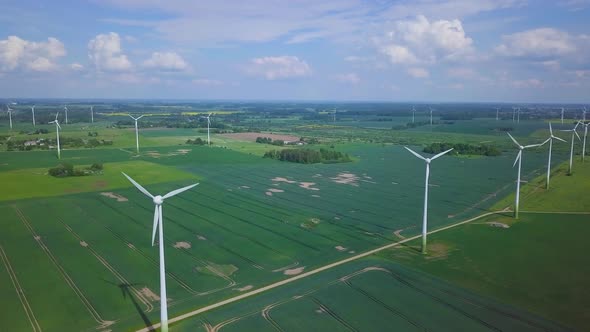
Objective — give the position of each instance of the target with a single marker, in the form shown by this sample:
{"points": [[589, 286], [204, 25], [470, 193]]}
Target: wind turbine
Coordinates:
{"points": [[513, 113], [551, 138], [334, 116], [519, 160], [497, 113], [57, 128], [33, 111], [518, 115], [136, 132], [584, 141], [66, 110], [584, 114], [425, 218], [92, 114], [574, 135], [430, 116], [562, 111], [9, 110], [413, 114], [158, 225], [208, 125]]}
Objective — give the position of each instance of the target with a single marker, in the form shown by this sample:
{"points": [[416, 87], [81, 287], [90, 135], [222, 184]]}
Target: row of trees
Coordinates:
{"points": [[196, 141], [463, 149], [67, 169], [268, 140], [308, 156]]}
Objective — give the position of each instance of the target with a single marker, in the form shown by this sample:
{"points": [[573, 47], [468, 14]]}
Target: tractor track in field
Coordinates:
{"points": [[312, 272], [87, 304], [19, 291], [116, 274], [332, 314]]}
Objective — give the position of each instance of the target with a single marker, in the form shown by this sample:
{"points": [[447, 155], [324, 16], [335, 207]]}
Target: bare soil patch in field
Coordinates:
{"points": [[182, 245], [118, 197], [295, 271], [308, 185], [83, 244], [346, 178], [149, 294], [245, 288], [275, 190], [280, 179], [268, 193], [251, 137], [340, 248]]}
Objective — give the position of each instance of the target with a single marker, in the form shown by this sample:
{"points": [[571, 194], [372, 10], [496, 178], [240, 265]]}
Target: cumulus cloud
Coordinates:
{"points": [[537, 43], [166, 61], [106, 54], [351, 78], [76, 66], [18, 53], [278, 67], [417, 72], [419, 40]]}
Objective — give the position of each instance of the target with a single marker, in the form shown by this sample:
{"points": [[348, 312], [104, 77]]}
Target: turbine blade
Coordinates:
{"points": [[550, 129], [414, 153], [57, 123], [578, 136], [130, 116], [141, 116], [156, 219], [517, 157], [178, 191], [441, 154], [513, 140], [559, 139], [138, 186]]}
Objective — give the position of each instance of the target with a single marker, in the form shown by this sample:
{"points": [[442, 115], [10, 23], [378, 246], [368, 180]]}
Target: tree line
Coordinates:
{"points": [[463, 149], [308, 156]]}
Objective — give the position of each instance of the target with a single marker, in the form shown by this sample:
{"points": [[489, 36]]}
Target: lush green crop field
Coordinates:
{"points": [[251, 222]]}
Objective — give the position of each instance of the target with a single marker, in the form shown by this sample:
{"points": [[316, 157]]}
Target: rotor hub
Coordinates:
{"points": [[158, 200], [428, 160]]}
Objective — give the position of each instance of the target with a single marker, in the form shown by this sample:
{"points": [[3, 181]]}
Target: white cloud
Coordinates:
{"points": [[351, 78], [207, 82], [105, 53], [537, 43], [419, 40], [76, 66], [528, 83], [278, 67], [167, 61], [418, 72], [37, 56], [462, 72]]}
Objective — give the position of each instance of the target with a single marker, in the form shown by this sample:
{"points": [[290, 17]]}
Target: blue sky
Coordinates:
{"points": [[419, 50]]}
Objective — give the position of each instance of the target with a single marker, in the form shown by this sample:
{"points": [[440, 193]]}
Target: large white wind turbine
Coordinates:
{"points": [[584, 141], [136, 132], [57, 128], [550, 139], [425, 218], [158, 225], [519, 160], [9, 110], [33, 111], [584, 114], [574, 135], [66, 111], [208, 125]]}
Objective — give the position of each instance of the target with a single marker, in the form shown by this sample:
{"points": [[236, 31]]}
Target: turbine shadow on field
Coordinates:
{"points": [[124, 287]]}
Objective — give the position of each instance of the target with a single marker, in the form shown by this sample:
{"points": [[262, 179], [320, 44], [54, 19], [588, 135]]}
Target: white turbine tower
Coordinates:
{"points": [[518, 115], [513, 113], [9, 110], [551, 138], [208, 125], [584, 114], [33, 111], [66, 110], [136, 132], [430, 116], [425, 217], [584, 141], [57, 128], [562, 111], [158, 225], [413, 114], [519, 160], [497, 113], [574, 135], [92, 114], [334, 116]]}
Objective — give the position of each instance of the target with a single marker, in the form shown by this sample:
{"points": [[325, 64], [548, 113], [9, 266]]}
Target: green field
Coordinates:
{"points": [[251, 222]]}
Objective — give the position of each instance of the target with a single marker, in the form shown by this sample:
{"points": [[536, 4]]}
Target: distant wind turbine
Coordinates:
{"points": [[425, 218], [413, 114], [430, 116], [497, 113], [334, 116], [136, 132], [33, 111], [92, 114], [518, 115], [584, 114], [550, 139], [57, 128], [66, 110], [574, 135], [584, 141], [513, 113], [519, 160], [9, 110], [208, 125], [562, 111], [159, 227]]}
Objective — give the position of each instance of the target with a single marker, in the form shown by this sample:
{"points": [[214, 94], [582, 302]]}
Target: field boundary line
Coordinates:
{"points": [[20, 292], [557, 212], [312, 272]]}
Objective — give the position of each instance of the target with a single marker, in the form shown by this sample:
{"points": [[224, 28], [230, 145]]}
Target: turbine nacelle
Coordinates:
{"points": [[158, 200]]}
